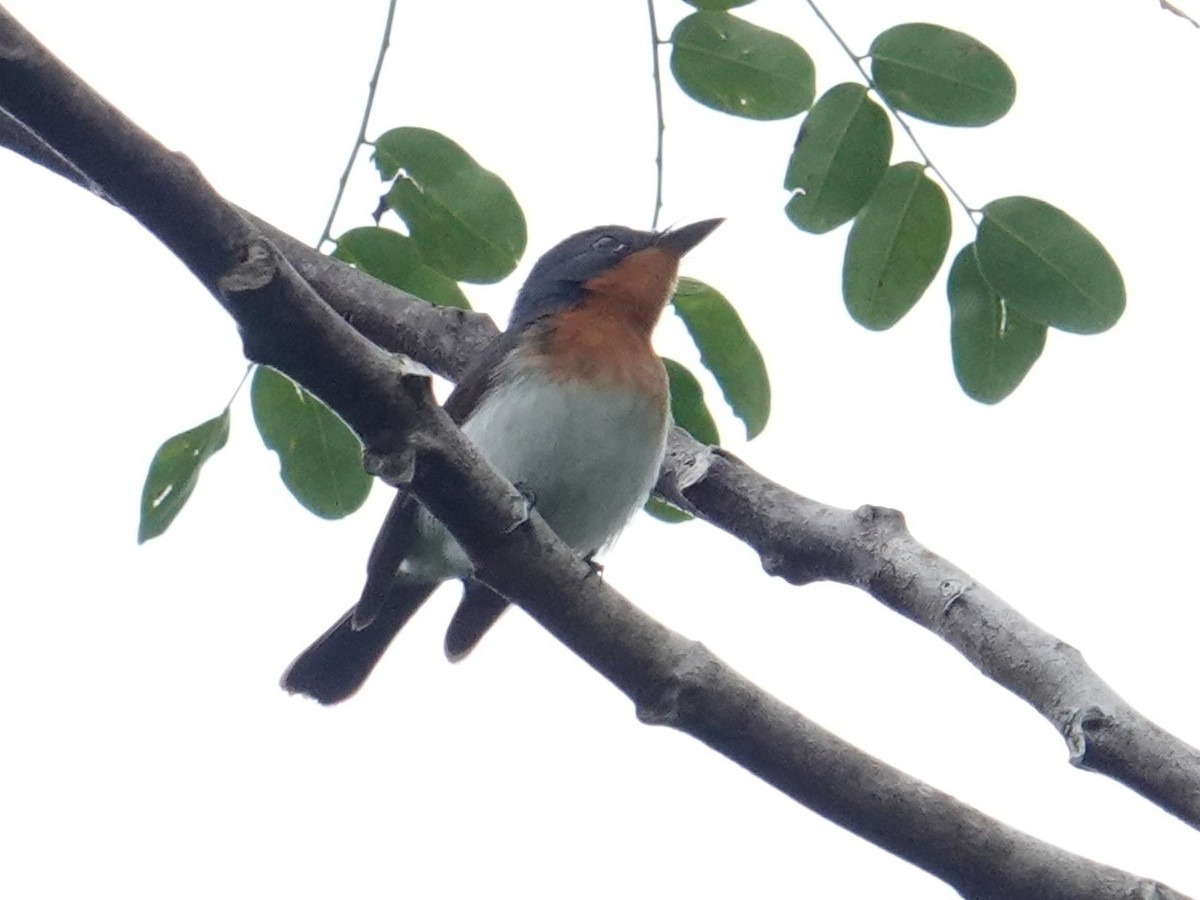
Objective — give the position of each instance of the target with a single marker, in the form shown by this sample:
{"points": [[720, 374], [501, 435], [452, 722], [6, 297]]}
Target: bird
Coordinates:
{"points": [[570, 403]]}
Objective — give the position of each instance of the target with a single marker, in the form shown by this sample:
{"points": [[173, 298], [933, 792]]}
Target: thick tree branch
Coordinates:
{"points": [[18, 138], [445, 339], [802, 541], [798, 539], [672, 681]]}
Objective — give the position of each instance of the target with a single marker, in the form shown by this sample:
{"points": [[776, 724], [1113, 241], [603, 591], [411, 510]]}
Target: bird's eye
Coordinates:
{"points": [[608, 244]]}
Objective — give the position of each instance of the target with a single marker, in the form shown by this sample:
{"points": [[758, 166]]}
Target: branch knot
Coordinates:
{"points": [[253, 272]]}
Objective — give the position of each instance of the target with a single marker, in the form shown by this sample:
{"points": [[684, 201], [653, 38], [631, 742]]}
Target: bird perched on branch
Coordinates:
{"points": [[570, 403]]}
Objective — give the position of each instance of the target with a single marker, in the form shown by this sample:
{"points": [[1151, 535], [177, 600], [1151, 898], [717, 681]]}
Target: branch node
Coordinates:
{"points": [[776, 564], [253, 272], [882, 518], [415, 381], [1086, 725], [394, 467], [663, 702], [693, 469], [953, 591], [773, 563], [520, 503]]}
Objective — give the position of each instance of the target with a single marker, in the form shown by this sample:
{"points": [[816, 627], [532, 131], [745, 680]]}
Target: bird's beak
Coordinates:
{"points": [[680, 240]]}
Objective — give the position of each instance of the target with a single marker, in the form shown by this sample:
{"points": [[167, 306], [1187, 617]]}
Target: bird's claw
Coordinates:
{"points": [[596, 567], [527, 492]]}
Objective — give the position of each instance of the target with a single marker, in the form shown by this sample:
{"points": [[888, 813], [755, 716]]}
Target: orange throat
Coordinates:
{"points": [[637, 288], [606, 338]]}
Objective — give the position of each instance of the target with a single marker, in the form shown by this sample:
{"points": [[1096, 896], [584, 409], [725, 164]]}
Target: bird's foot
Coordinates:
{"points": [[527, 492]]}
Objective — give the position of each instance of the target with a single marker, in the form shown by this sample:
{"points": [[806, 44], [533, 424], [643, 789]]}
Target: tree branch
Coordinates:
{"points": [[802, 540], [797, 539], [1172, 8], [870, 548], [672, 681]]}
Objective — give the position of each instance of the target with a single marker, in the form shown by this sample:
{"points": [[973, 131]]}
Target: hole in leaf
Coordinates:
{"points": [[162, 495]]}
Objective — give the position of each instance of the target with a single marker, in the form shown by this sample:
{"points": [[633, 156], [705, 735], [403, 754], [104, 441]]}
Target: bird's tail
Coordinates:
{"points": [[337, 663], [477, 612]]}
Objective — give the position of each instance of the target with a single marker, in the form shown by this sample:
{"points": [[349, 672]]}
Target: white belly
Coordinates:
{"points": [[588, 455]]}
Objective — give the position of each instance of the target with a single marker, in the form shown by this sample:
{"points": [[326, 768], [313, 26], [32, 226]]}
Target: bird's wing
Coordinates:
{"points": [[395, 539], [481, 376], [480, 606], [391, 548]]}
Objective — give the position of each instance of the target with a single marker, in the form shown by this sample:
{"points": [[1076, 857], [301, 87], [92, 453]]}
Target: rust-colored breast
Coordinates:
{"points": [[606, 338]]}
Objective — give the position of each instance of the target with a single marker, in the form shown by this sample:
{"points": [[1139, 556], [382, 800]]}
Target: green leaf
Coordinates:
{"points": [[841, 154], [687, 404], [465, 221], [394, 259], [320, 459], [1048, 266], [726, 350], [174, 471], [992, 344], [730, 65], [896, 246], [717, 4], [666, 512], [691, 414], [941, 76]]}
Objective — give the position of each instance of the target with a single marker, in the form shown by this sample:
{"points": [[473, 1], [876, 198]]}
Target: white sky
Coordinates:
{"points": [[147, 749]]}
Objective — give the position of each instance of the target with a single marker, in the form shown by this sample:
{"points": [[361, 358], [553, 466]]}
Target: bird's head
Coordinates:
{"points": [[608, 258]]}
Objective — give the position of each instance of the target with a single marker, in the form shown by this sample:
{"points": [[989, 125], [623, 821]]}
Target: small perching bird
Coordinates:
{"points": [[570, 403]]}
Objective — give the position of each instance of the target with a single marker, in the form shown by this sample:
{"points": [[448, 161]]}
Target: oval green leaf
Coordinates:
{"points": [[840, 157], [941, 75], [717, 4], [174, 471], [394, 259], [688, 408], [993, 345], [730, 65], [320, 459], [896, 246], [1048, 266], [726, 350], [465, 221], [666, 512]]}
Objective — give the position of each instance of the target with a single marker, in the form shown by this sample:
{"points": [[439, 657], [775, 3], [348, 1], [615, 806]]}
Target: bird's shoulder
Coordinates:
{"points": [[482, 374]]}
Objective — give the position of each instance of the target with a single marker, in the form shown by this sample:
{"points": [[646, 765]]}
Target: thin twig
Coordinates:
{"points": [[237, 390], [857, 60], [655, 43], [361, 138], [1172, 8]]}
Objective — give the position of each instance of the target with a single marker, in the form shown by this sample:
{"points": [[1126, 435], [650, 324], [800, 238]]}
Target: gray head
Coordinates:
{"points": [[557, 281]]}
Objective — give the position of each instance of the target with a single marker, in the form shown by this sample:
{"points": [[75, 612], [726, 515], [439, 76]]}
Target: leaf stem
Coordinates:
{"points": [[361, 137], [857, 60], [655, 43], [237, 390]]}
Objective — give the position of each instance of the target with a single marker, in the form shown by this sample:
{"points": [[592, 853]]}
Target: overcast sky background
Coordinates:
{"points": [[147, 749]]}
